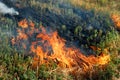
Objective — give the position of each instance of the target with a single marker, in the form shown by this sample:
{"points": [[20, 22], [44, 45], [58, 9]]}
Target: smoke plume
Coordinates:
{"points": [[6, 10]]}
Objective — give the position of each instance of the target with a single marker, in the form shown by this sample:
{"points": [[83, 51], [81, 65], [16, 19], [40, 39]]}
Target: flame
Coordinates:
{"points": [[21, 35], [95, 48], [31, 24], [116, 20], [65, 56], [49, 46], [23, 23]]}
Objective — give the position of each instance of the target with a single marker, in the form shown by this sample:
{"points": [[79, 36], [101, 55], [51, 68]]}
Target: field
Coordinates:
{"points": [[60, 40]]}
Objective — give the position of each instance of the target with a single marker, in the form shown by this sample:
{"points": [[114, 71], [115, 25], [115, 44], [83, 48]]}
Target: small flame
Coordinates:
{"points": [[66, 57], [31, 24], [95, 48], [23, 23], [21, 35], [116, 20], [50, 46], [13, 41]]}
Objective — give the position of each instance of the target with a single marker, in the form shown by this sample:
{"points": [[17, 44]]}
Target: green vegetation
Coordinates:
{"points": [[85, 23]]}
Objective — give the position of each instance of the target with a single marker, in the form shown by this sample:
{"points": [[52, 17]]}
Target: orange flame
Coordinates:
{"points": [[66, 57], [23, 23], [21, 35], [95, 48], [116, 20], [52, 47]]}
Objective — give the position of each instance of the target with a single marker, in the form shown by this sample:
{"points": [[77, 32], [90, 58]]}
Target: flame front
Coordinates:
{"points": [[66, 56], [49, 46]]}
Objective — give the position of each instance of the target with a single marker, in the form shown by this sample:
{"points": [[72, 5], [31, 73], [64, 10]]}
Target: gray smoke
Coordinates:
{"points": [[6, 10]]}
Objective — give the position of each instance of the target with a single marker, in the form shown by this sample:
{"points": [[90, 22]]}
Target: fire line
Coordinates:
{"points": [[50, 46]]}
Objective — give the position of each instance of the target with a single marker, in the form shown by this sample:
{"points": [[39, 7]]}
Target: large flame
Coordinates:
{"points": [[49, 46]]}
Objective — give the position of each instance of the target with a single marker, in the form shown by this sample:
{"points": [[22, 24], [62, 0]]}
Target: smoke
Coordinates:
{"points": [[6, 10]]}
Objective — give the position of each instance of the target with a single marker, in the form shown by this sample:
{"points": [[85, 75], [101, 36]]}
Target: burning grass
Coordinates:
{"points": [[48, 46]]}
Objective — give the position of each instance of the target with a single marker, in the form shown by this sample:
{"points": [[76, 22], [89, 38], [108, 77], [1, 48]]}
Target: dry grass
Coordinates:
{"points": [[111, 6]]}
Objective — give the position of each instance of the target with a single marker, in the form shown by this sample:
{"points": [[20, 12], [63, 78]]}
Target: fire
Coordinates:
{"points": [[95, 48], [21, 35], [116, 20], [68, 56], [23, 23], [103, 59], [49, 46], [31, 24]]}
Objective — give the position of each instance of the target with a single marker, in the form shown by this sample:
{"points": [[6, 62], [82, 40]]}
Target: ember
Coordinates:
{"points": [[49, 46]]}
